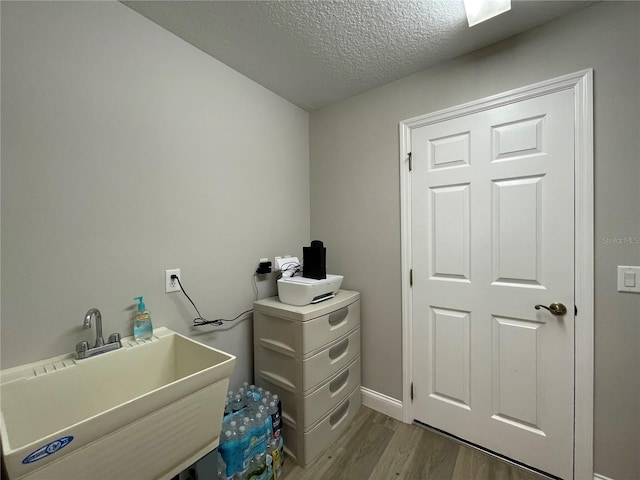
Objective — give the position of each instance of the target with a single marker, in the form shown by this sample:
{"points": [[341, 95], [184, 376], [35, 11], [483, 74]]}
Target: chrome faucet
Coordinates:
{"points": [[83, 350], [94, 312]]}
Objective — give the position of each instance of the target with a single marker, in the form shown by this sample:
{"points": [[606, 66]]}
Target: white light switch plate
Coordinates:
{"points": [[628, 279]]}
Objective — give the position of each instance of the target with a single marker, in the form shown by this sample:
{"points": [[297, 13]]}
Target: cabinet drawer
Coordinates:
{"points": [[322, 330], [329, 361], [303, 412], [304, 448], [325, 398], [303, 376], [303, 338]]}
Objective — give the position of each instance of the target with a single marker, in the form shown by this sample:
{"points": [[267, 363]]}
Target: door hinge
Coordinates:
{"points": [[410, 161], [575, 310], [411, 390], [411, 277]]}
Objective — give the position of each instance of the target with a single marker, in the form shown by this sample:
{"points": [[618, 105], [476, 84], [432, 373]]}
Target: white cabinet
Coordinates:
{"points": [[310, 357]]}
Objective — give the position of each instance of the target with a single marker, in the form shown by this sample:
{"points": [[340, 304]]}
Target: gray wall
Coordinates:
{"points": [[125, 152], [355, 197]]}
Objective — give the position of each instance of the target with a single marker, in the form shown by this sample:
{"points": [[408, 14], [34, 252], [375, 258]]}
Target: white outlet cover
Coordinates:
{"points": [[169, 285], [628, 279]]}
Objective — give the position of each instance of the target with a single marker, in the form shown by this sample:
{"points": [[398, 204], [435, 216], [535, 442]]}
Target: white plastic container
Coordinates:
{"points": [[310, 356]]}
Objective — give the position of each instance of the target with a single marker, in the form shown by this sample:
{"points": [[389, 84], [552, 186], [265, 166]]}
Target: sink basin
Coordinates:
{"points": [[147, 410]]}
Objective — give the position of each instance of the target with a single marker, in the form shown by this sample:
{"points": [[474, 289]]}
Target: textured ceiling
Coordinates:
{"points": [[316, 52]]}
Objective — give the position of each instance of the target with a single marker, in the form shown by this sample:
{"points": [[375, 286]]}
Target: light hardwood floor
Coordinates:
{"points": [[376, 447]]}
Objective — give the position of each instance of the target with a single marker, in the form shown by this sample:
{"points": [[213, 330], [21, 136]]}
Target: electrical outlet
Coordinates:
{"points": [[171, 285]]}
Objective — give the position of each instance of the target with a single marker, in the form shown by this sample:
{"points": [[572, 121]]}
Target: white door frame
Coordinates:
{"points": [[582, 85]]}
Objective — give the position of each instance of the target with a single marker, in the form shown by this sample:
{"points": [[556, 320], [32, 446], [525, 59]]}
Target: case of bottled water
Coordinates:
{"points": [[251, 444]]}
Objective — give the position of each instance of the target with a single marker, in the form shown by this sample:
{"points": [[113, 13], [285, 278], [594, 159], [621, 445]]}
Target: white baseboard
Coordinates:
{"points": [[597, 476], [382, 403]]}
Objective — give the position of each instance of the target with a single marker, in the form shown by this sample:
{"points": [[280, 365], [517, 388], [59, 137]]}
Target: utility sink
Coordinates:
{"points": [[147, 410]]}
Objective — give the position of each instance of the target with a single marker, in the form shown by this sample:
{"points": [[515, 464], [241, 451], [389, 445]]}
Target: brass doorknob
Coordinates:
{"points": [[555, 308]]}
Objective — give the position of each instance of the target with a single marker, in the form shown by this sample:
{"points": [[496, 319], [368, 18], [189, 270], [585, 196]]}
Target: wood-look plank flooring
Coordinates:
{"points": [[377, 447]]}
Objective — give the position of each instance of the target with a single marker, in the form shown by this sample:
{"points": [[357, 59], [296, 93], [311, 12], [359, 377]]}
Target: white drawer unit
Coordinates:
{"points": [[310, 357]]}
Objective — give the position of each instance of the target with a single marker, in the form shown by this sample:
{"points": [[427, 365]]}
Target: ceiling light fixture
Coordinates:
{"points": [[481, 10]]}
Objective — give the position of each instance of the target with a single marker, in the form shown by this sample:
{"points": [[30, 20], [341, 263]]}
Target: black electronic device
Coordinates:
{"points": [[314, 261]]}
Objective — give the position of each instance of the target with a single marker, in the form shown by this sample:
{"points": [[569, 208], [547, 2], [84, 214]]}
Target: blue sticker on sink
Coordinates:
{"points": [[48, 449]]}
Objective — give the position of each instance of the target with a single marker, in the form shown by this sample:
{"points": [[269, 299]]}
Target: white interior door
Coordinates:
{"points": [[492, 236]]}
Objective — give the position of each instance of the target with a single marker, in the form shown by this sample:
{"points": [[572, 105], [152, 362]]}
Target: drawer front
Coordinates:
{"points": [[323, 435], [328, 362], [277, 334], [304, 412], [318, 332], [279, 369], [317, 404]]}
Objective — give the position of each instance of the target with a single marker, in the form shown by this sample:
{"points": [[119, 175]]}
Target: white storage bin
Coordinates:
{"points": [[305, 447], [310, 357]]}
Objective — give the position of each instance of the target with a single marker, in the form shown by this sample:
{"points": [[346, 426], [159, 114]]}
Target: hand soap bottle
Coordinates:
{"points": [[142, 327]]}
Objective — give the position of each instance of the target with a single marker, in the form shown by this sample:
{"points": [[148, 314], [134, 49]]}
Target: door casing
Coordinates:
{"points": [[582, 85]]}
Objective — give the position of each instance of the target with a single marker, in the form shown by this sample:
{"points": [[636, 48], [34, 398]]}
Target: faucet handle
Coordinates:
{"points": [[114, 338], [82, 346]]}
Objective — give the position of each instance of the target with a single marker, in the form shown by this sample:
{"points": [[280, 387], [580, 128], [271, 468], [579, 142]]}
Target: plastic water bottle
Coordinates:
{"points": [[233, 426], [225, 450], [250, 390], [267, 421], [275, 398], [257, 467], [276, 420], [243, 446], [233, 451], [260, 429], [238, 403], [274, 450], [246, 421], [258, 436], [221, 467], [269, 467]]}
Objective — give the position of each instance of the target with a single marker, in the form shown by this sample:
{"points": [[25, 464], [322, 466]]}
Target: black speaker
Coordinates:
{"points": [[314, 261]]}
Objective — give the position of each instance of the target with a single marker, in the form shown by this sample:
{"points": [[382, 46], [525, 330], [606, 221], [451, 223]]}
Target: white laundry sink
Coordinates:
{"points": [[147, 410]]}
